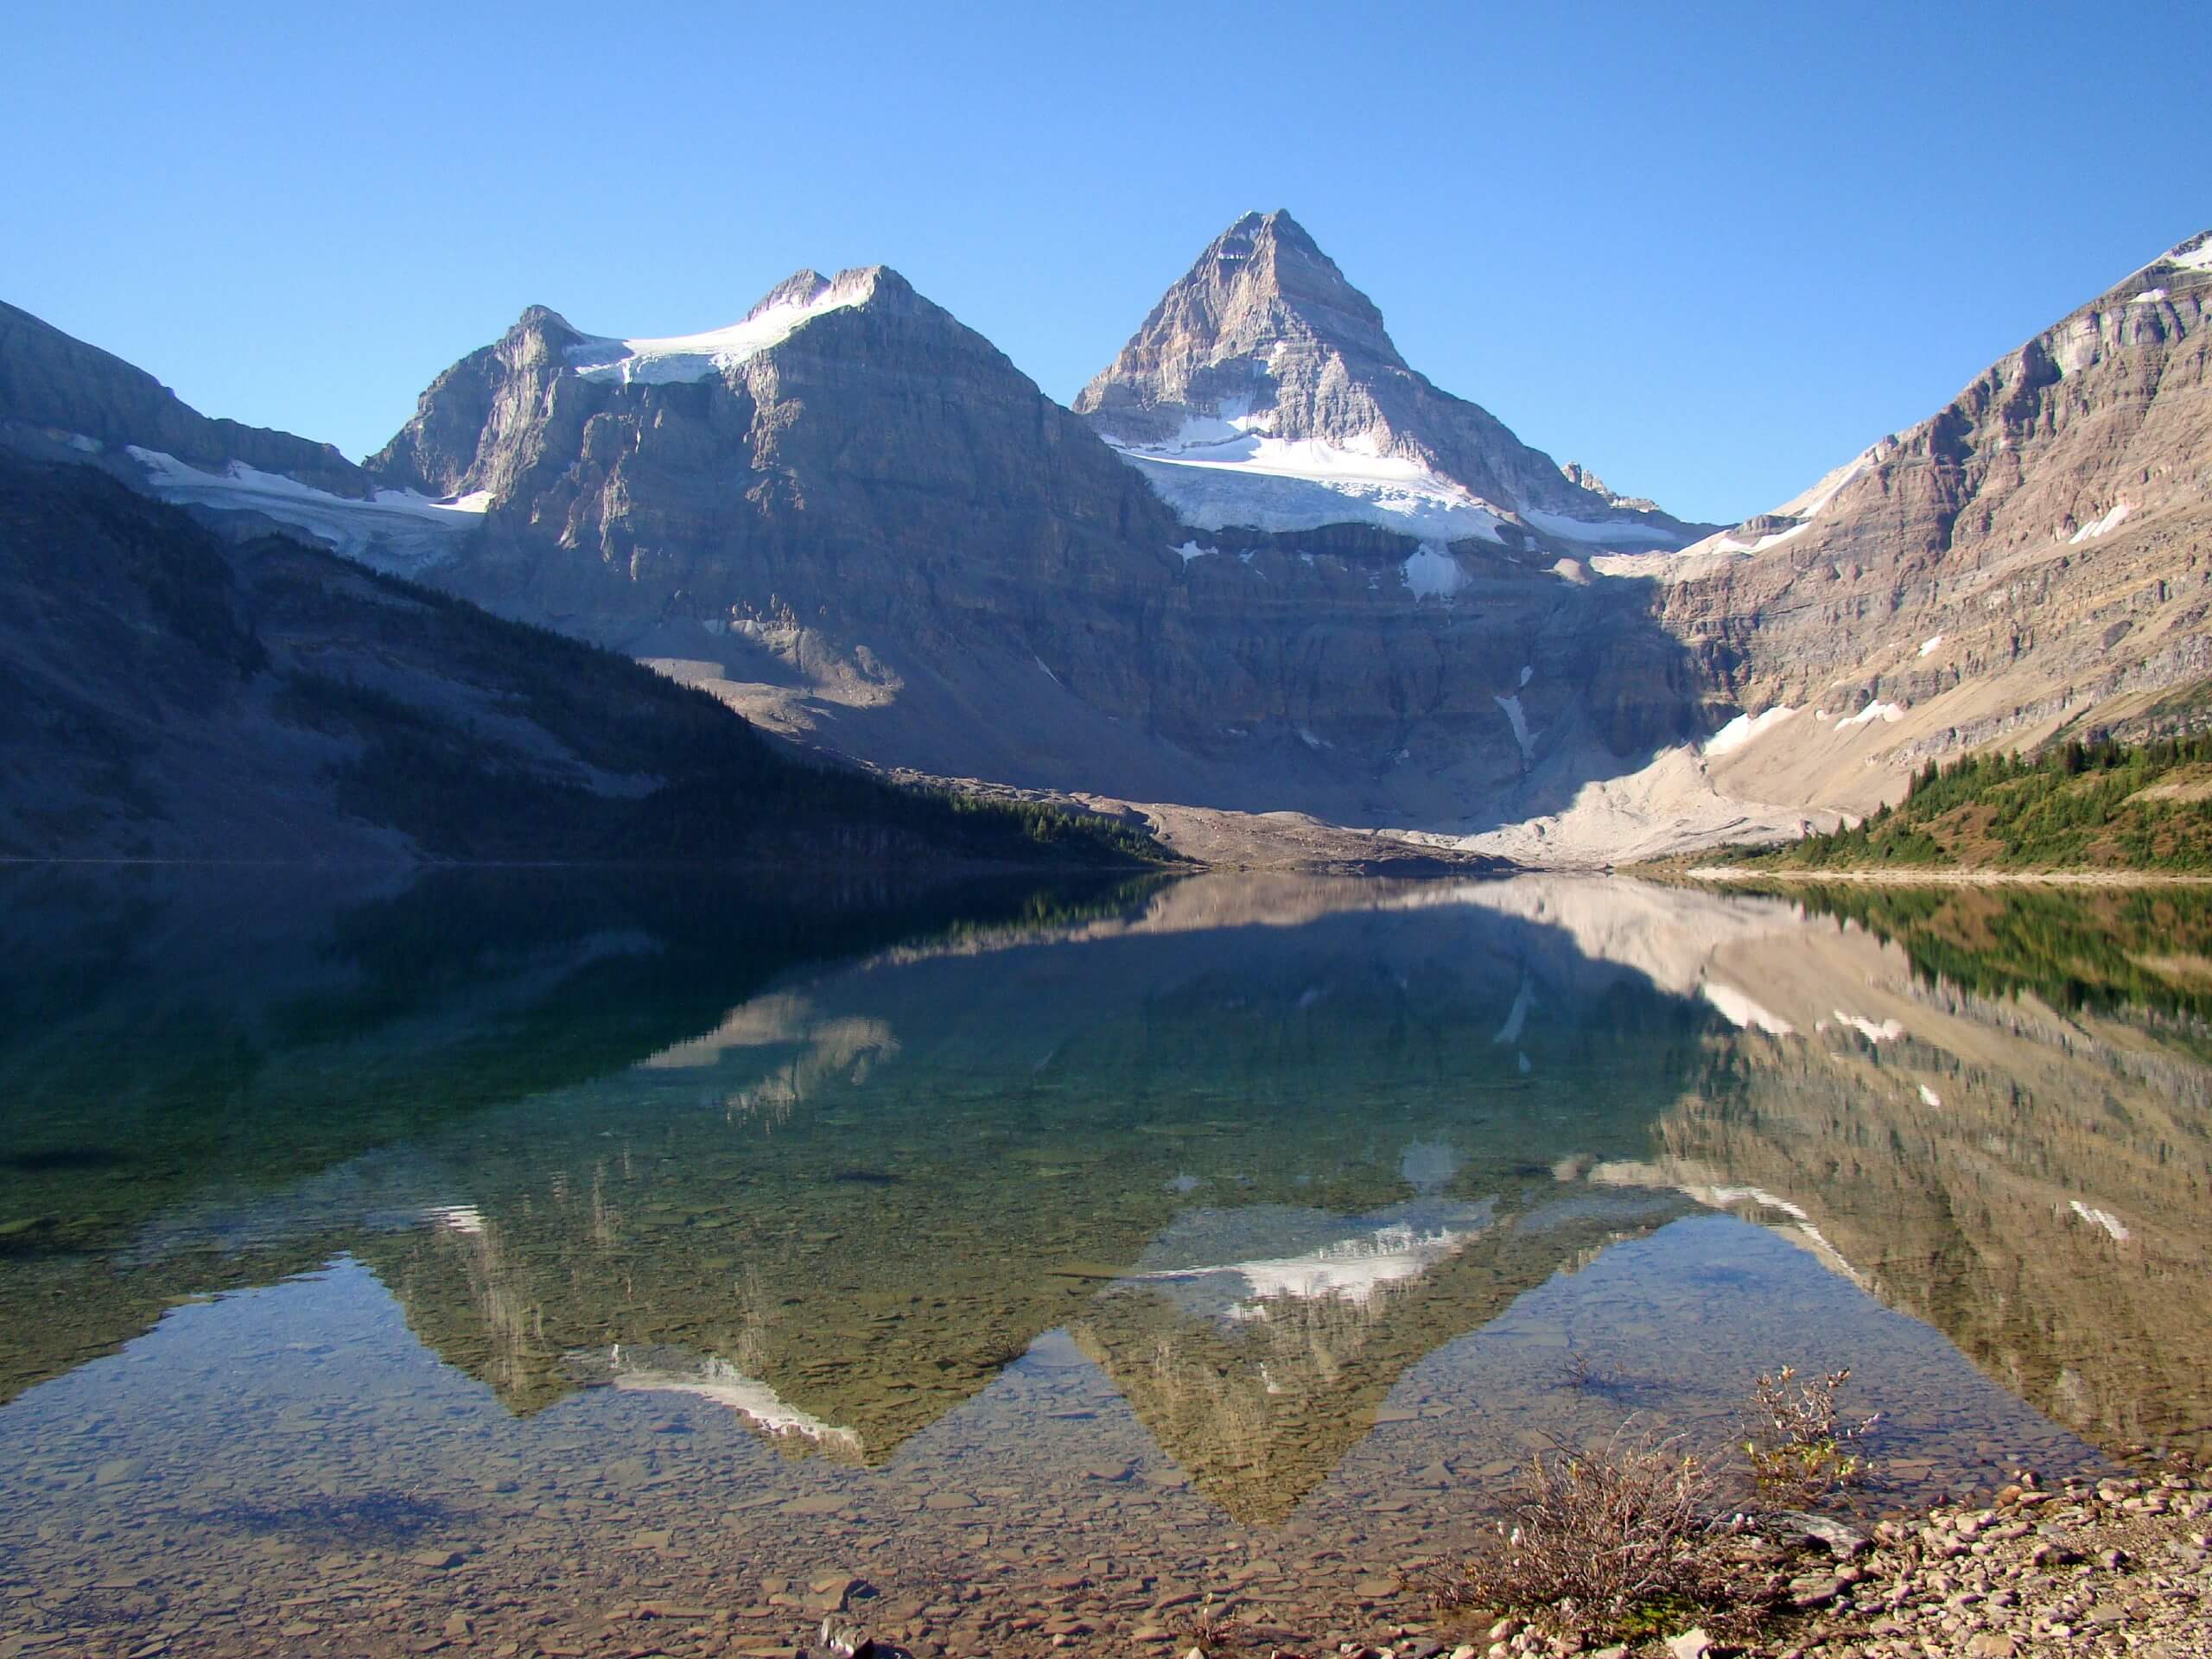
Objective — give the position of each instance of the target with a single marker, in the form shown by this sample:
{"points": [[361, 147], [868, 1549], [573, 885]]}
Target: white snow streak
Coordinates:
{"points": [[1930, 643], [396, 528], [2103, 1218], [1744, 1014], [2097, 527], [1628, 534], [694, 357], [1888, 713], [1887, 1032], [1520, 724], [1219, 471]]}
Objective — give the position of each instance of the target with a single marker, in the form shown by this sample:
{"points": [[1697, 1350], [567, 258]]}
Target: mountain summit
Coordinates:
{"points": [[1264, 390]]}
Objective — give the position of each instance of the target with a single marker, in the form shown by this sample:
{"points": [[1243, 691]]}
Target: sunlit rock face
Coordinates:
{"points": [[2031, 554]]}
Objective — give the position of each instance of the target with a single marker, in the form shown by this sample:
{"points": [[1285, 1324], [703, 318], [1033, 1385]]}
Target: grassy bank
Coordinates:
{"points": [[2090, 807]]}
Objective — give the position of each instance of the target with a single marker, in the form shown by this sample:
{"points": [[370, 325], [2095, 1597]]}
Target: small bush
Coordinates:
{"points": [[1800, 1447], [1597, 1541]]}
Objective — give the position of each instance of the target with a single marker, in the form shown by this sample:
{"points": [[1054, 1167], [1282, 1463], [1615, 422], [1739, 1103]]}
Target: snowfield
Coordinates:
{"points": [[1226, 471], [397, 530], [694, 357], [1744, 729]]}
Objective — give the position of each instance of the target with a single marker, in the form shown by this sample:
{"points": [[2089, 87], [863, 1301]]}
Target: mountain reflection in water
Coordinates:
{"points": [[1257, 1148]]}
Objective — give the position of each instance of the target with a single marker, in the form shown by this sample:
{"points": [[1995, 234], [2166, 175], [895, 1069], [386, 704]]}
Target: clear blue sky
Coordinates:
{"points": [[1710, 251]]}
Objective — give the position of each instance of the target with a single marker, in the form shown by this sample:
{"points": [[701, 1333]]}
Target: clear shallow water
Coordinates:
{"points": [[1025, 1257]]}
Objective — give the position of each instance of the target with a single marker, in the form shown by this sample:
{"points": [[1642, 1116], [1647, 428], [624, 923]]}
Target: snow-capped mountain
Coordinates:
{"points": [[1264, 391], [1291, 576]]}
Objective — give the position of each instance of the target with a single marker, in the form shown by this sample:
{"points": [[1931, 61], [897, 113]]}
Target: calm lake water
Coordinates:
{"points": [[529, 1262]]}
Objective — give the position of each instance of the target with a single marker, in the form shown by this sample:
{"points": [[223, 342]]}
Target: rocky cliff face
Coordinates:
{"points": [[852, 517], [1263, 389], [2036, 556], [174, 694]]}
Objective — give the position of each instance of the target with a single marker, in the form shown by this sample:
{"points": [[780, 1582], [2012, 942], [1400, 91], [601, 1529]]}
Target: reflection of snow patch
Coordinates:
{"points": [[1744, 1014], [461, 1217], [1351, 1271], [1517, 1016], [754, 1400]]}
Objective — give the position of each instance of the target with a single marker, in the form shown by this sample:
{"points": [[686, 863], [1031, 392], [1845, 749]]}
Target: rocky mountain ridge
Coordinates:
{"points": [[2035, 557], [1298, 580], [1265, 360]]}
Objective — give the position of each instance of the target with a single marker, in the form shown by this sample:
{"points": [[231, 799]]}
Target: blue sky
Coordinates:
{"points": [[1710, 252]]}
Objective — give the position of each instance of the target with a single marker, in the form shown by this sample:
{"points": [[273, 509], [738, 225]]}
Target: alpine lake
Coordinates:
{"points": [[549, 1262]]}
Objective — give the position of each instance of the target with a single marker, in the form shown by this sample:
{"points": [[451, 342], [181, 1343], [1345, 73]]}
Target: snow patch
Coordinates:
{"points": [[1928, 1096], [1888, 713], [1519, 722], [1930, 643], [1628, 534], [1527, 673], [2097, 527], [2147, 296], [1744, 729], [1739, 1011], [694, 357], [1887, 1032], [1191, 550], [1219, 471], [2195, 258], [394, 529], [2103, 1218], [1431, 573]]}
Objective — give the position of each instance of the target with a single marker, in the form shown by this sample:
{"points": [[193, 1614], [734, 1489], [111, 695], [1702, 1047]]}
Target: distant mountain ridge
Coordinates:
{"points": [[1291, 576]]}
